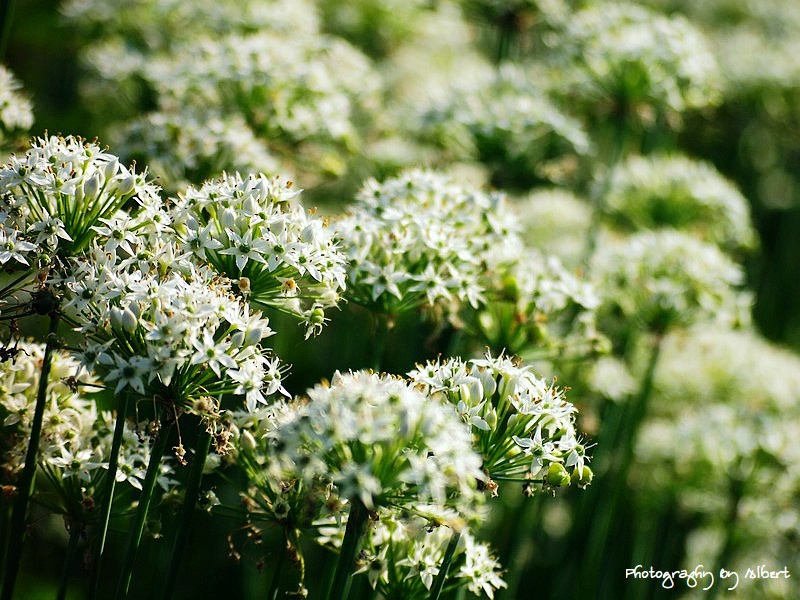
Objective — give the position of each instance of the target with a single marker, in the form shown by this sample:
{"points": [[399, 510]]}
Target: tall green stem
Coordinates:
{"points": [[145, 498], [6, 18], [26, 482], [600, 192], [202, 447], [382, 324], [108, 496], [736, 488], [277, 575], [622, 440], [444, 568], [72, 549], [356, 526]]}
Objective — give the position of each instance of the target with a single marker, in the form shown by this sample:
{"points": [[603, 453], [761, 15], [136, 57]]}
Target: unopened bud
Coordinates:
{"points": [[557, 475], [91, 186], [582, 476]]}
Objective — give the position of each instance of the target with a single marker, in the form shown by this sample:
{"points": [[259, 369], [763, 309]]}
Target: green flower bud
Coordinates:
{"points": [[582, 477], [557, 475]]}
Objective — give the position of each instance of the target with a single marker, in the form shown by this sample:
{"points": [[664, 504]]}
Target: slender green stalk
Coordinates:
{"points": [[72, 550], [6, 18], [381, 327], [736, 488], [356, 526], [606, 514], [441, 576], [277, 576], [139, 519], [108, 496], [26, 482], [189, 502], [598, 197]]}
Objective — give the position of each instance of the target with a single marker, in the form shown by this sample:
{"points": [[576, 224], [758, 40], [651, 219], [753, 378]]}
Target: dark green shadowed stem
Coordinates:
{"points": [[26, 482], [6, 18], [108, 496], [72, 549], [145, 498], [382, 324], [356, 526], [441, 576], [610, 497], [189, 504]]}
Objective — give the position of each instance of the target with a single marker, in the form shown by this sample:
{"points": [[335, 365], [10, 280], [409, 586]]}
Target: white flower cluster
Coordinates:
{"points": [[402, 557], [508, 122], [300, 92], [420, 239], [726, 417], [626, 53], [665, 278], [295, 87], [158, 24], [754, 42], [159, 326], [523, 427], [51, 199], [555, 221], [378, 440], [194, 145], [664, 191], [377, 27], [76, 436], [552, 307], [251, 230], [16, 112]]}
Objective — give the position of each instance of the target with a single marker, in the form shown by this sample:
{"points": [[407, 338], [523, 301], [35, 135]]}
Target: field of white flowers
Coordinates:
{"points": [[399, 299]]}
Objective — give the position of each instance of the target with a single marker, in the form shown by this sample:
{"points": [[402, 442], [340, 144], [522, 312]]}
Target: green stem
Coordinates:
{"points": [[441, 576], [605, 516], [6, 18], [736, 488], [382, 324], [25, 488], [356, 526], [139, 519], [202, 447], [72, 548], [598, 197], [108, 496], [277, 576]]}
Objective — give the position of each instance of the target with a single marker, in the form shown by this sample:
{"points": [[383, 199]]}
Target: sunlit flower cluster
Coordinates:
{"points": [[179, 335], [665, 278], [252, 230], [16, 112], [673, 191], [523, 427], [634, 58], [725, 433], [510, 124], [53, 196], [379, 441], [402, 557], [193, 145], [76, 435], [421, 239], [539, 303], [289, 88]]}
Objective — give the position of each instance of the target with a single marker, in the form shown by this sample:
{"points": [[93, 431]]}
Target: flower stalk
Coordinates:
{"points": [[26, 483], [441, 576], [145, 499], [190, 502], [108, 496], [356, 526]]}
